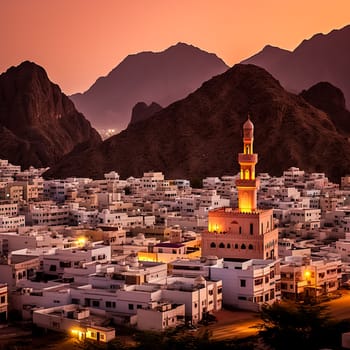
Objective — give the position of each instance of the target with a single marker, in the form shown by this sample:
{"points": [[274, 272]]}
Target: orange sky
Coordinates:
{"points": [[77, 41]]}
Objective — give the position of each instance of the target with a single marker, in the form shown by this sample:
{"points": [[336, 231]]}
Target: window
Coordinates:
{"points": [[95, 303], [251, 229], [236, 246], [131, 306], [242, 282], [240, 229], [228, 245], [258, 281], [243, 246], [221, 245], [242, 298], [139, 306], [110, 304], [212, 245], [250, 246]]}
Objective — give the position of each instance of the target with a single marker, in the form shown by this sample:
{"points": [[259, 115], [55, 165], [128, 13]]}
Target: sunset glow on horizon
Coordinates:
{"points": [[77, 41]]}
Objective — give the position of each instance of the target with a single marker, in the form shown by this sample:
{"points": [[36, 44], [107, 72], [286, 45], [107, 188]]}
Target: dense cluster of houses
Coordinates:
{"points": [[79, 254]]}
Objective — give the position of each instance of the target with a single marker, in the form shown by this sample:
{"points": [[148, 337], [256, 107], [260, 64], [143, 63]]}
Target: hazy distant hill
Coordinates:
{"points": [[38, 123], [142, 112], [331, 100], [201, 135], [163, 77], [321, 58]]}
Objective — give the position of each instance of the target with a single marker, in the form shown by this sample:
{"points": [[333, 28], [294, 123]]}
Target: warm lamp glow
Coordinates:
{"points": [[81, 240], [307, 274], [245, 203], [144, 256], [213, 227]]}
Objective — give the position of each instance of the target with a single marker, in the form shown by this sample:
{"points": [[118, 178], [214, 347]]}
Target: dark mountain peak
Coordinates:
{"points": [[25, 73], [331, 100], [142, 112], [335, 33], [328, 95], [28, 66], [39, 123], [270, 54], [181, 45], [273, 49], [323, 57], [165, 77]]}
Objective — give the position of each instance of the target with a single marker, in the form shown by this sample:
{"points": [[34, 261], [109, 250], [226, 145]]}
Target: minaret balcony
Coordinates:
{"points": [[248, 183], [248, 158]]}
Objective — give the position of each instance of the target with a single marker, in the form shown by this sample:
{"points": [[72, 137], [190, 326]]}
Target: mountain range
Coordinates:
{"points": [[321, 58], [38, 123], [162, 77], [194, 137], [201, 134]]}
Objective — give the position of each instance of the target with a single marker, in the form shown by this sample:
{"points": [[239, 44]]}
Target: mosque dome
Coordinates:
{"points": [[248, 124]]}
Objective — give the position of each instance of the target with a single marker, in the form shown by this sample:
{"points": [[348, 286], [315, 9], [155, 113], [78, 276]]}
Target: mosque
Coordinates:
{"points": [[246, 232]]}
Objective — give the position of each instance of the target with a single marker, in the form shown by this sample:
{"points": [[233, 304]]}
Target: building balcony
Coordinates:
{"points": [[247, 158], [247, 183]]}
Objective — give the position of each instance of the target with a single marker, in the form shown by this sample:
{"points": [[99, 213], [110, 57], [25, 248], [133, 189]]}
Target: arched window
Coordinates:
{"points": [[243, 246], [228, 245], [236, 246], [212, 245], [221, 245], [250, 246]]}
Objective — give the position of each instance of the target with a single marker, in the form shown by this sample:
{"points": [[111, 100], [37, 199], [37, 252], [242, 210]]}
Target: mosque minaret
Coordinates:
{"points": [[245, 232]]}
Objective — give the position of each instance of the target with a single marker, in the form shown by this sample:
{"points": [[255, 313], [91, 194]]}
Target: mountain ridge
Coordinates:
{"points": [[38, 123], [162, 77], [323, 57], [200, 135]]}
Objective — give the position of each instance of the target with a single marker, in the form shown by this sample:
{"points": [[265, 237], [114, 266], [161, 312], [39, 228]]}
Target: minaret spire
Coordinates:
{"points": [[247, 184]]}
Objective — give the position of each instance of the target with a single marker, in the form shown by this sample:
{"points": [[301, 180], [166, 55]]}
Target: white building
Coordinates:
{"points": [[11, 223], [249, 284], [54, 264], [3, 303], [302, 276], [82, 323]]}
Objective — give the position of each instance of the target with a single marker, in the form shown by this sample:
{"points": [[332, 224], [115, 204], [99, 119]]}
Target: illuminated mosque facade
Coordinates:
{"points": [[246, 232]]}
